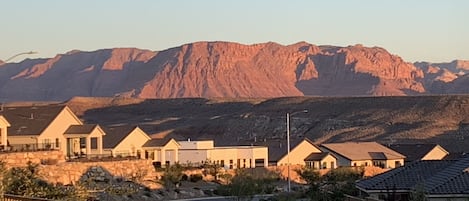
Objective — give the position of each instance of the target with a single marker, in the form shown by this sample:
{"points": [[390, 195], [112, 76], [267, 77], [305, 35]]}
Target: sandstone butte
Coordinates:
{"points": [[226, 69]]}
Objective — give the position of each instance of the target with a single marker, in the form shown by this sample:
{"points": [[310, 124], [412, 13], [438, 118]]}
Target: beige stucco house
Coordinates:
{"points": [[323, 160], [45, 126], [84, 140], [300, 149], [162, 152], [229, 157], [124, 141], [4, 124], [364, 154]]}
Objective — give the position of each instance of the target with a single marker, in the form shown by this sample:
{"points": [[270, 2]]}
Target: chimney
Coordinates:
{"points": [[188, 139]]}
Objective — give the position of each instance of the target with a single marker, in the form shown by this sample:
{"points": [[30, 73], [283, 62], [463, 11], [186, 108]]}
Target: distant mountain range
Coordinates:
{"points": [[229, 70]]}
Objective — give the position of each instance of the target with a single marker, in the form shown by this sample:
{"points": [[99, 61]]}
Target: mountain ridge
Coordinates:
{"points": [[226, 69]]}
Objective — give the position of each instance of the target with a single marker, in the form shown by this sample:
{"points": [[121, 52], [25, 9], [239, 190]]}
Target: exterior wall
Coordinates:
{"points": [[132, 143], [227, 155], [436, 153], [360, 163], [331, 162], [206, 144], [299, 153], [58, 127], [30, 139], [392, 163], [193, 156]]}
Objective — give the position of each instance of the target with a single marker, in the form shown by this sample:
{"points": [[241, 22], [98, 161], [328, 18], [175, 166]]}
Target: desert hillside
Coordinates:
{"points": [[229, 70], [421, 119]]}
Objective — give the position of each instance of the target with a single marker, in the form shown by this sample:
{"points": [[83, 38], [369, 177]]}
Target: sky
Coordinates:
{"points": [[416, 30]]}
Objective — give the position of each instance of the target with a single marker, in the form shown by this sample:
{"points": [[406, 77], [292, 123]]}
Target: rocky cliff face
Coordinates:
{"points": [[214, 69]]}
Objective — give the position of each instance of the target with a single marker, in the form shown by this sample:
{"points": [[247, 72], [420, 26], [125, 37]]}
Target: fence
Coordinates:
{"points": [[30, 147], [8, 197]]}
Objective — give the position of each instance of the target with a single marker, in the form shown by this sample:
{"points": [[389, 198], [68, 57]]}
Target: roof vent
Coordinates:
{"points": [[32, 116]]}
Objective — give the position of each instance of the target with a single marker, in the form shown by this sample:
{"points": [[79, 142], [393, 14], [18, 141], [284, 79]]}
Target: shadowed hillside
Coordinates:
{"points": [[435, 119]]}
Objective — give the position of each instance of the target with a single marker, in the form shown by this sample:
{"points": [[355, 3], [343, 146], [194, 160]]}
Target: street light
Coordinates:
{"points": [[288, 144], [14, 56]]}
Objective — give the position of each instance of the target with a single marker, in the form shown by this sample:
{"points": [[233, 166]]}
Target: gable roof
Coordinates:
{"points": [[436, 176], [157, 142], [277, 148], [80, 129], [115, 135], [414, 152], [4, 121], [30, 120], [317, 156], [363, 151]]}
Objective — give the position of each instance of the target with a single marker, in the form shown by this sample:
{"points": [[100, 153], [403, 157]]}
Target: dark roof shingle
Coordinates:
{"points": [[30, 120], [437, 176], [413, 152], [316, 156], [115, 135], [80, 129]]}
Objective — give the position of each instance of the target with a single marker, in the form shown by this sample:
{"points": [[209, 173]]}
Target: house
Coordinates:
{"points": [[300, 149], [323, 160], [229, 157], [415, 152], [45, 126], [4, 124], [162, 151], [435, 179], [124, 141], [84, 140], [364, 154]]}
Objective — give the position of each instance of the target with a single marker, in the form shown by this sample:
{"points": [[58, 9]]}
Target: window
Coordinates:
{"points": [[259, 162], [332, 165], [231, 164], [238, 165], [354, 164], [250, 163], [397, 164], [366, 163], [222, 163], [94, 143], [324, 165], [57, 143], [244, 163]]}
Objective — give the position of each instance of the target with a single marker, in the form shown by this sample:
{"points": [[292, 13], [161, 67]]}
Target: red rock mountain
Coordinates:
{"points": [[213, 69]]}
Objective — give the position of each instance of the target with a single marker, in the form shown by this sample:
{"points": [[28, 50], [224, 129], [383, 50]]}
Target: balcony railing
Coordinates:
{"points": [[30, 147]]}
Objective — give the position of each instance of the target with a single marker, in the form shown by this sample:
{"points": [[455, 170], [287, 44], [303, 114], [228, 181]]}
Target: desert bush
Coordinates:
{"points": [[196, 177]]}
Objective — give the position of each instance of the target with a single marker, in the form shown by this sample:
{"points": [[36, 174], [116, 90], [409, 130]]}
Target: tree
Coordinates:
{"points": [[24, 181], [310, 176], [172, 176]]}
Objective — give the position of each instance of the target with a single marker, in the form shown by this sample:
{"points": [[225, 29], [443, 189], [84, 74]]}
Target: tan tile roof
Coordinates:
{"points": [[363, 150], [30, 120]]}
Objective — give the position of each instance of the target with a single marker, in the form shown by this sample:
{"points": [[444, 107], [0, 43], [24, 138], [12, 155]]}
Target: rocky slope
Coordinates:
{"points": [[213, 69], [400, 119]]}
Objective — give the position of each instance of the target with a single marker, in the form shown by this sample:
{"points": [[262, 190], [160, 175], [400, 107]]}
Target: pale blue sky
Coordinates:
{"points": [[417, 30]]}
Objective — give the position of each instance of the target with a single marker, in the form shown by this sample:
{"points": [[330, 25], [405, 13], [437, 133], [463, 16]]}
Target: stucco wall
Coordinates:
{"points": [[132, 143], [299, 153], [58, 127], [435, 154]]}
